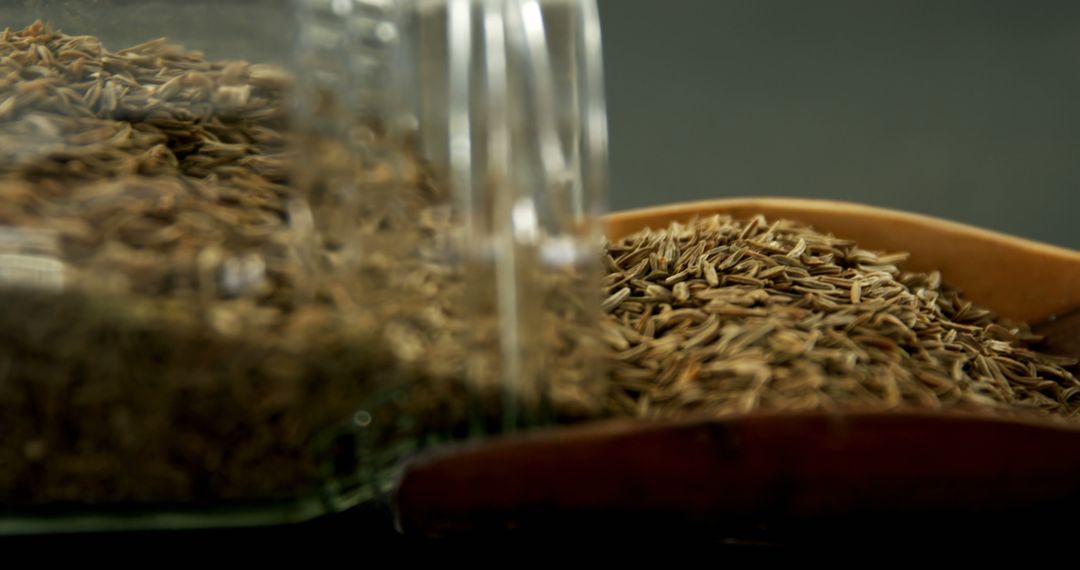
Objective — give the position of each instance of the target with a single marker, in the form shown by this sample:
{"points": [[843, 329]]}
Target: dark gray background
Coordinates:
{"points": [[966, 109]]}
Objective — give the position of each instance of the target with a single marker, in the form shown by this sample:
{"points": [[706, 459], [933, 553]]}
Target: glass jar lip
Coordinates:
{"points": [[489, 45]]}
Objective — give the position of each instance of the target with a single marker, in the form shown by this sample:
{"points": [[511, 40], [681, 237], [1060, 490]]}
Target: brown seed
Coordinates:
{"points": [[615, 299]]}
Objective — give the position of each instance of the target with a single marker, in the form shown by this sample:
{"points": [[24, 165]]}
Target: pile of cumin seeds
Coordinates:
{"points": [[722, 316]]}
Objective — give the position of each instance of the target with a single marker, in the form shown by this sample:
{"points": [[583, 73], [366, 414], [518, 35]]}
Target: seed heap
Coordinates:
{"points": [[730, 316]]}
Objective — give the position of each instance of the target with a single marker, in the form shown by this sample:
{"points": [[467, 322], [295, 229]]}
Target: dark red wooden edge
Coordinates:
{"points": [[747, 469]]}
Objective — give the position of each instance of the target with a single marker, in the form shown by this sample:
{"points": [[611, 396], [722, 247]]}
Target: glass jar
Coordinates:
{"points": [[167, 347], [242, 284]]}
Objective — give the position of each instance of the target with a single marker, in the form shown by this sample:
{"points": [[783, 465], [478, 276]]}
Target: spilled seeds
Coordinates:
{"points": [[723, 316]]}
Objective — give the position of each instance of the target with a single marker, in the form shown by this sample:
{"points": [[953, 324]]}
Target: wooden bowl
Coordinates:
{"points": [[777, 468]]}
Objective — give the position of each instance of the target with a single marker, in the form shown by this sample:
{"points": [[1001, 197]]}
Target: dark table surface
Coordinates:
{"points": [[370, 529]]}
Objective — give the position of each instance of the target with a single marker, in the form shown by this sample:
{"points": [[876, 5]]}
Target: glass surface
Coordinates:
{"points": [[250, 267], [168, 342]]}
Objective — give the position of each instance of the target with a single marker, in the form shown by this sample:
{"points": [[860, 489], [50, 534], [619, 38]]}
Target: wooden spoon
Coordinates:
{"points": [[764, 468]]}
